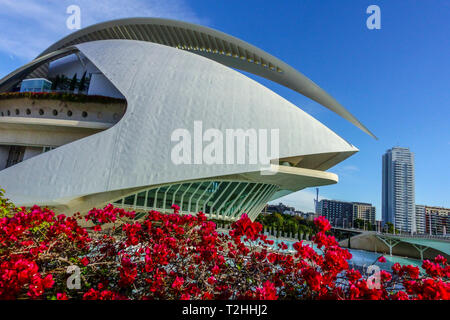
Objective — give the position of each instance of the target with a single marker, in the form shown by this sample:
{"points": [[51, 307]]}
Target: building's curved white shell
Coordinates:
{"points": [[204, 41], [166, 89]]}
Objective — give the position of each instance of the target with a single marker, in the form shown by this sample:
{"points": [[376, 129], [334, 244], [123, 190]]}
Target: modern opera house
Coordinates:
{"points": [[89, 122]]}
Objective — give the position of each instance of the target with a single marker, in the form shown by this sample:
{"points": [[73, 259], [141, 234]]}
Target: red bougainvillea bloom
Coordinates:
{"points": [[322, 223], [61, 296], [440, 259], [185, 296], [176, 208], [400, 295], [84, 261], [211, 280], [271, 257], [396, 268], [128, 271], [215, 269], [178, 282], [267, 292]]}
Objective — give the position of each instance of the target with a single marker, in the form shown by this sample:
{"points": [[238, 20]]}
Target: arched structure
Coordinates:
{"points": [[128, 159]]}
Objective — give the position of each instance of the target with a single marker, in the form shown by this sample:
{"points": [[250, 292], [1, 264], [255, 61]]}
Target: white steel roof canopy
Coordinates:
{"points": [[212, 44]]}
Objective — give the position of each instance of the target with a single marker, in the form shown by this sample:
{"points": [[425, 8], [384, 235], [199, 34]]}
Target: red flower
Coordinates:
{"points": [[177, 283], [353, 275], [411, 271], [48, 282], [440, 259], [215, 269], [207, 296], [91, 294], [433, 269], [267, 292], [322, 223], [401, 295], [61, 296], [176, 208], [382, 259], [128, 271], [313, 278], [84, 261], [396, 268], [385, 276], [211, 280], [271, 257], [185, 296]]}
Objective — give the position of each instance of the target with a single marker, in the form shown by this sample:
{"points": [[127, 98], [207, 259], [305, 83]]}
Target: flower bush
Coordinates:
{"points": [[173, 256]]}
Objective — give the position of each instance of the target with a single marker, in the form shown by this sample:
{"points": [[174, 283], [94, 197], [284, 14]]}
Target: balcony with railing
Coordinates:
{"points": [[31, 122]]}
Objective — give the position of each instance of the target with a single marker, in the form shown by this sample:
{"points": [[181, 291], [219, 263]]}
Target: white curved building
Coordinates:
{"points": [[155, 76]]}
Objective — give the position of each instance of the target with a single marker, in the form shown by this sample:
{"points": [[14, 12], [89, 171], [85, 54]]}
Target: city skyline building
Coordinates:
{"points": [[420, 219], [279, 208], [398, 189], [344, 213], [432, 220], [364, 211], [339, 213]]}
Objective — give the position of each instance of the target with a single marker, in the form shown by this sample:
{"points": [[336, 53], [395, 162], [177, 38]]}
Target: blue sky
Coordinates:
{"points": [[395, 80]]}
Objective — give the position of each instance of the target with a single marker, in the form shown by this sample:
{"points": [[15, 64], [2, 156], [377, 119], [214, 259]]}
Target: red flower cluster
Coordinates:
{"points": [[245, 227], [173, 256], [19, 273], [322, 223], [128, 271], [107, 214], [27, 239]]}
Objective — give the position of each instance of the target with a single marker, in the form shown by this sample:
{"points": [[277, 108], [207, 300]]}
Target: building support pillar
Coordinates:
{"points": [[391, 243], [421, 250]]}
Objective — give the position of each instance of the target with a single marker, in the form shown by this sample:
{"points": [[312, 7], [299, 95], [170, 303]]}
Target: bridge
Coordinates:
{"points": [[413, 246]]}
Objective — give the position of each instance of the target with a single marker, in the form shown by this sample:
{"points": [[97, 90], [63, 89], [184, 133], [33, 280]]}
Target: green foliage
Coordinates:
{"points": [[70, 97], [390, 227], [358, 223], [82, 84], [284, 225], [6, 207], [56, 82], [73, 82]]}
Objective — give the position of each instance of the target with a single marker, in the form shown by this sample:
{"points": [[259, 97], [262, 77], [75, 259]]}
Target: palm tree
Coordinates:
{"points": [[301, 232], [62, 83], [55, 83], [73, 82], [82, 84]]}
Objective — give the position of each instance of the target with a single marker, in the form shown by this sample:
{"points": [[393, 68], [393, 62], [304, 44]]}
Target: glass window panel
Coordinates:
{"points": [[130, 200], [222, 194], [151, 198], [140, 201]]}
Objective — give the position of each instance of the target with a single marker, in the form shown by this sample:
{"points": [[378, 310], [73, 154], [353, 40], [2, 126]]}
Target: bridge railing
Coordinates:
{"points": [[400, 235], [421, 236]]}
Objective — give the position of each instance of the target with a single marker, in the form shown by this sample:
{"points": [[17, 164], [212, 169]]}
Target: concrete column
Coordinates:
{"points": [[4, 153], [421, 250]]}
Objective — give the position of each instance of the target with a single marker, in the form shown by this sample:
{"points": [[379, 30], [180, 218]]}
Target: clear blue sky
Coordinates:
{"points": [[395, 80]]}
